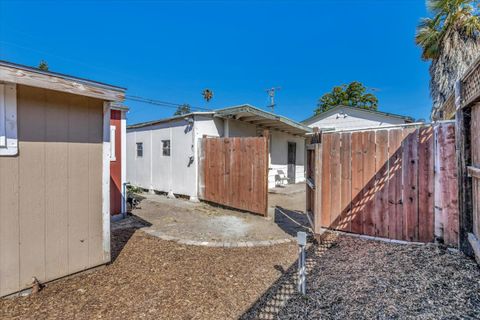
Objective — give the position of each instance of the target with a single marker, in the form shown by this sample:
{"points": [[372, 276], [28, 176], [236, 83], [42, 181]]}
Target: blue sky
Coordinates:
{"points": [[172, 50]]}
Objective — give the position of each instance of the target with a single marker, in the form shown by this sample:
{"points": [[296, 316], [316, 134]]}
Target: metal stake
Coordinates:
{"points": [[302, 242]]}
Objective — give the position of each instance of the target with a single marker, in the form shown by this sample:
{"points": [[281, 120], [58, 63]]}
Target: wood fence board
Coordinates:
{"points": [[357, 181], [380, 212], [425, 185], [335, 180], [395, 208], [410, 184], [325, 183], [368, 138], [346, 182], [450, 199]]}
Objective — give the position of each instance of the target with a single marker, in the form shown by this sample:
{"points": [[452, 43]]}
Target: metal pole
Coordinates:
{"points": [[302, 242]]}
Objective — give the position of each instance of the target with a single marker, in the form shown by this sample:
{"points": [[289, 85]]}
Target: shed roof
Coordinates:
{"points": [[165, 120], [21, 74], [387, 114]]}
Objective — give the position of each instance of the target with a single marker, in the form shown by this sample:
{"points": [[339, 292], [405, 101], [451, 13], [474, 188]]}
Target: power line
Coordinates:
{"points": [[160, 103]]}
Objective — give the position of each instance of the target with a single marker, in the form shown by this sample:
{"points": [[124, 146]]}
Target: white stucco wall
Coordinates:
{"points": [[348, 118]]}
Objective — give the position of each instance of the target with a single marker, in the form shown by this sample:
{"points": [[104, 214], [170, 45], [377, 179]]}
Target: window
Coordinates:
{"points": [[139, 149], [166, 147], [113, 130], [8, 120]]}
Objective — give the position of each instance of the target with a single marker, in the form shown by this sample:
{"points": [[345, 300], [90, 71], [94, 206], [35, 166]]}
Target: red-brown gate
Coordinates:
{"points": [[234, 172]]}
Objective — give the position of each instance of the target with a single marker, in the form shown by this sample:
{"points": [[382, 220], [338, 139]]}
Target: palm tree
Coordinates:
{"points": [[451, 41]]}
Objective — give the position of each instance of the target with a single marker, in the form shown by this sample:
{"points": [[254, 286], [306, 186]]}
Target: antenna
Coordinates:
{"points": [[271, 94]]}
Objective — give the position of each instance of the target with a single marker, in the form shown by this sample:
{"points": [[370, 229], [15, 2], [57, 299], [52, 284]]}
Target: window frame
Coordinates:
{"points": [[139, 144], [113, 153], [166, 149], [8, 120]]}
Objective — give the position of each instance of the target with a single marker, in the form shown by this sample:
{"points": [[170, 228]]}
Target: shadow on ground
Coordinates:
{"points": [[291, 221], [122, 231]]}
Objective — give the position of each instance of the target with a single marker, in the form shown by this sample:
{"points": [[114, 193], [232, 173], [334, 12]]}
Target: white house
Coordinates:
{"points": [[162, 155], [344, 117]]}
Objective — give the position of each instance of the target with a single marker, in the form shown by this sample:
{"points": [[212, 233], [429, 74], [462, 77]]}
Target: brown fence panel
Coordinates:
{"points": [[382, 183], [233, 172]]}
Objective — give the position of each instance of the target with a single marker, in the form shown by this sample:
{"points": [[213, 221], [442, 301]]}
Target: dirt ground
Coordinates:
{"points": [[183, 219]]}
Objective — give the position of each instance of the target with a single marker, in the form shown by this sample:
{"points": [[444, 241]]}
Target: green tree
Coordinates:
{"points": [[43, 65], [450, 40], [353, 95], [183, 109]]}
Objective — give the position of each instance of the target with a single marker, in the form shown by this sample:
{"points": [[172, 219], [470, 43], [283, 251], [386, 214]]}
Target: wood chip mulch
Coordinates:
{"points": [[348, 278], [157, 279], [351, 278]]}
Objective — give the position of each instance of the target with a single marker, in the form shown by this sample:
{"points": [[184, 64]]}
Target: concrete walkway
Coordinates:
{"points": [[207, 225]]}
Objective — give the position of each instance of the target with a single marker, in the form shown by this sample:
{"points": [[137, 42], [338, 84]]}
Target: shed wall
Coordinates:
{"points": [[51, 193], [175, 173]]}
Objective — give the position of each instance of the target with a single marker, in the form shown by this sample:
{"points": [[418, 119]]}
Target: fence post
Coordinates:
{"points": [[266, 135], [318, 184], [463, 149]]}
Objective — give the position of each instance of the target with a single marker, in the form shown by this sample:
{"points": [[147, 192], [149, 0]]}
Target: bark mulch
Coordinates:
{"points": [[157, 279], [351, 278]]}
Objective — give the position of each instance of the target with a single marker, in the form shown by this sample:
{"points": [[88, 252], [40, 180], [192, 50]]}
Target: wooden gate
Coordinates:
{"points": [[381, 182], [234, 172]]}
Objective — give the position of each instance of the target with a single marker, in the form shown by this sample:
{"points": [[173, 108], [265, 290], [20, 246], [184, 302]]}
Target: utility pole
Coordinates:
{"points": [[271, 94]]}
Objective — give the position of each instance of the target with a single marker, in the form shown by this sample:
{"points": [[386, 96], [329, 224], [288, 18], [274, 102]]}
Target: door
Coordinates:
{"points": [[292, 159]]}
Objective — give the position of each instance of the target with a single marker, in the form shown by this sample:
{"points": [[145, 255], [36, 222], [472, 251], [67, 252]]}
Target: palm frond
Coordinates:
{"points": [[428, 37]]}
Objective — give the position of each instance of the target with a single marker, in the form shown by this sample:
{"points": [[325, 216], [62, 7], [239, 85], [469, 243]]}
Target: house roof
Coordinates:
{"points": [[387, 114], [165, 120], [21, 74], [244, 112], [265, 119]]}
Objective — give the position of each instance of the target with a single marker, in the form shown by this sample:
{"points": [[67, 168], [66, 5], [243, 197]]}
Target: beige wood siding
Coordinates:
{"points": [[51, 193]]}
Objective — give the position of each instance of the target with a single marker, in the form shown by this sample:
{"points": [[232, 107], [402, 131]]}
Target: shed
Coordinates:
{"points": [[54, 175]]}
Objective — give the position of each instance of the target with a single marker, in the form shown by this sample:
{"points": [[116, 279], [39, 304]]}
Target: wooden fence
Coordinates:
{"points": [[234, 172], [381, 182]]}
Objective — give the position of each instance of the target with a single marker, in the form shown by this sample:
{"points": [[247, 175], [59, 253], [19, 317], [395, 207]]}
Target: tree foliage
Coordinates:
{"points": [[450, 39], [183, 109], [450, 17], [43, 65], [353, 95]]}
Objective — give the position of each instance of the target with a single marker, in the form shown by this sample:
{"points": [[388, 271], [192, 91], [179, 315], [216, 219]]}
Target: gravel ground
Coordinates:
{"points": [[157, 279], [351, 278]]}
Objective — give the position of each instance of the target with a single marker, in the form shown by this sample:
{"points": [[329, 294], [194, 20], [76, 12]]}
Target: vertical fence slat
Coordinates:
{"points": [[335, 180], [425, 185], [410, 184], [346, 182], [368, 182], [325, 183], [381, 184], [357, 182]]}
